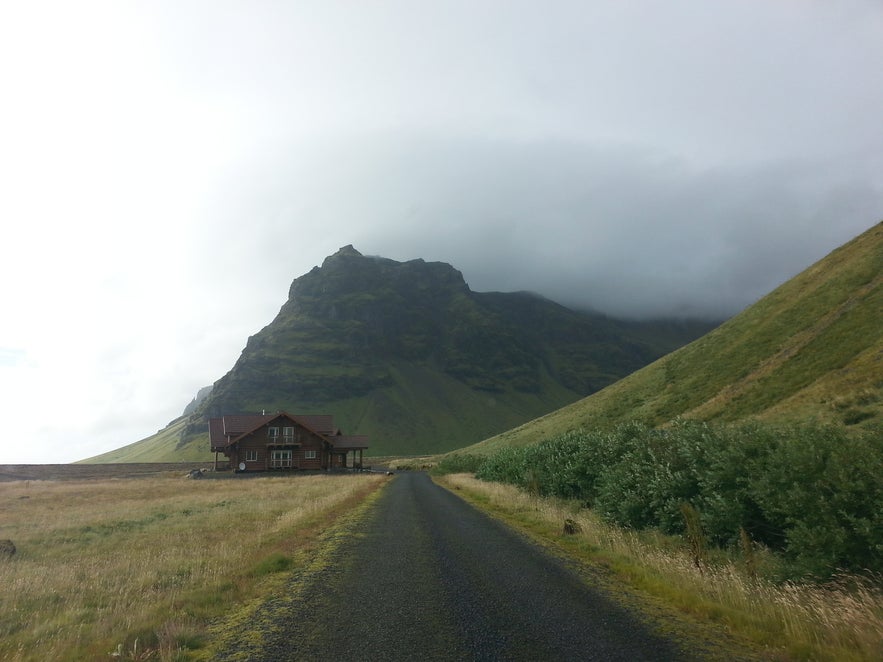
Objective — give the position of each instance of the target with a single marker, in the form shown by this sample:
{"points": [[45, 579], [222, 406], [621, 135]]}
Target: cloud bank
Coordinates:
{"points": [[169, 167]]}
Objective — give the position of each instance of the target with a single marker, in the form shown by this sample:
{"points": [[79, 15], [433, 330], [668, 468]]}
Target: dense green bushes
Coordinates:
{"points": [[811, 493], [456, 463]]}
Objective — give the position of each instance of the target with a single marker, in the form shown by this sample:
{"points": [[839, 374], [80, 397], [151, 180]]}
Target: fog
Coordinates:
{"points": [[169, 167]]}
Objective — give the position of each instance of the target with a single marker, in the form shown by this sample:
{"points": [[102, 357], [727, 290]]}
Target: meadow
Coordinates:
{"points": [[838, 620], [140, 568]]}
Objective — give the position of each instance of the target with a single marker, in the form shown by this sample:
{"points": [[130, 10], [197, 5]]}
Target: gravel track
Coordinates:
{"points": [[425, 576]]}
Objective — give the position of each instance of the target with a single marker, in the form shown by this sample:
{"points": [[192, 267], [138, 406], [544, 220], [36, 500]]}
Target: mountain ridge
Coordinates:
{"points": [[811, 350], [407, 353]]}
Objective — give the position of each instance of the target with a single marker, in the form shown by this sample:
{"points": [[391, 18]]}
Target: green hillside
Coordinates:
{"points": [[812, 350], [164, 446], [406, 353]]}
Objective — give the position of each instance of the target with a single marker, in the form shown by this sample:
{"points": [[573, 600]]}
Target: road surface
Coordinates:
{"points": [[425, 576]]}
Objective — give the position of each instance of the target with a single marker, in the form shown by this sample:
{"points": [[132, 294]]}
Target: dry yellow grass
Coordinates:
{"points": [[101, 564], [842, 621]]}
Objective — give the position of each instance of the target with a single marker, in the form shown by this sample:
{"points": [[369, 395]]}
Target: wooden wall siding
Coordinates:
{"points": [[263, 445], [259, 451], [259, 461], [312, 463]]}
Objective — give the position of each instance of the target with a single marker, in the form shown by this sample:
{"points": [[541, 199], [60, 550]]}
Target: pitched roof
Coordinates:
{"points": [[350, 442], [235, 426], [321, 423], [226, 430]]}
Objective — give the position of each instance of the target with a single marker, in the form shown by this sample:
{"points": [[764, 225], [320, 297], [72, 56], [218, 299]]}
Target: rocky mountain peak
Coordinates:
{"points": [[396, 348], [348, 272], [343, 252]]}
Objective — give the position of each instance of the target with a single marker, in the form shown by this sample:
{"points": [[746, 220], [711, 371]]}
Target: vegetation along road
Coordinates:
{"points": [[423, 575]]}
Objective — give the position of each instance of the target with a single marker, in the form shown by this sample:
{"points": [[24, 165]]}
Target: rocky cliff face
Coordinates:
{"points": [[380, 342], [197, 400]]}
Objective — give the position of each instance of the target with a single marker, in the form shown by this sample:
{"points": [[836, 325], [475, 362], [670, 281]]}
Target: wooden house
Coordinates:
{"points": [[284, 442]]}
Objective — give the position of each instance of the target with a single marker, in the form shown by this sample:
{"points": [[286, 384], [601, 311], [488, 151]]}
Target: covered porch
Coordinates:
{"points": [[347, 451]]}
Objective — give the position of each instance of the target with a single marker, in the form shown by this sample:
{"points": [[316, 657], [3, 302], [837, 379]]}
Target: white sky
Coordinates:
{"points": [[167, 168]]}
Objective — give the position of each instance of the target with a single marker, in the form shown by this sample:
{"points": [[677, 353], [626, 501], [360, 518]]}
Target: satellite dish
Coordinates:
{"points": [[242, 466]]}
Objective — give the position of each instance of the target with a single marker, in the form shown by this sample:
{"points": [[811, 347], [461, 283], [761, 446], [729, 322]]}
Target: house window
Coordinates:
{"points": [[309, 455], [280, 459], [251, 456], [288, 434], [272, 433]]}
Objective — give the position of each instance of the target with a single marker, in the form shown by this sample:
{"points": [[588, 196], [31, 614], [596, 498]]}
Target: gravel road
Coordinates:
{"points": [[425, 576]]}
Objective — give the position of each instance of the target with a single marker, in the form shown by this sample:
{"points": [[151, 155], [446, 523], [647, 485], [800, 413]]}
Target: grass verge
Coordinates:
{"points": [[239, 635], [841, 620], [138, 569]]}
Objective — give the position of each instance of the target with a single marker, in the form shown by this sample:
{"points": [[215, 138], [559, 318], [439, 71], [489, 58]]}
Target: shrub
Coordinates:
{"points": [[823, 489], [459, 463], [727, 503], [812, 493], [506, 466], [659, 473]]}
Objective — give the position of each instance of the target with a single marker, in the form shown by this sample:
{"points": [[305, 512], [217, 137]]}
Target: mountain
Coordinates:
{"points": [[405, 352], [812, 350], [197, 400]]}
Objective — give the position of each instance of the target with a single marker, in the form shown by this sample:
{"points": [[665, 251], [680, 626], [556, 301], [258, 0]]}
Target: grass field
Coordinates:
{"points": [[839, 621], [139, 568]]}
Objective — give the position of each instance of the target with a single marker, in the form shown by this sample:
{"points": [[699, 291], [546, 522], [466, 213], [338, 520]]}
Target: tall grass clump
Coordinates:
{"points": [[142, 565]]}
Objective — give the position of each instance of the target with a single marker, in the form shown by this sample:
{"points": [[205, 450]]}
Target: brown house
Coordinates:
{"points": [[281, 441]]}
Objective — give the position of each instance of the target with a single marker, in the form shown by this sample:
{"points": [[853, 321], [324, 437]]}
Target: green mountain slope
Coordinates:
{"points": [[406, 353], [810, 350], [160, 447]]}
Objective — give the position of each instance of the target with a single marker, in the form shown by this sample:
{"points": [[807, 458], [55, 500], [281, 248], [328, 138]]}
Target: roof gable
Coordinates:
{"points": [[227, 430], [238, 425]]}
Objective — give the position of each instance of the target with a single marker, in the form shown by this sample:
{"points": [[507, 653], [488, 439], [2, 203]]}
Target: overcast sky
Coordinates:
{"points": [[167, 168]]}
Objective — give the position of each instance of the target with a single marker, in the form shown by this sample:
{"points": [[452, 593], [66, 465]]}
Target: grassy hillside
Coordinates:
{"points": [[810, 350], [420, 408], [164, 446]]}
